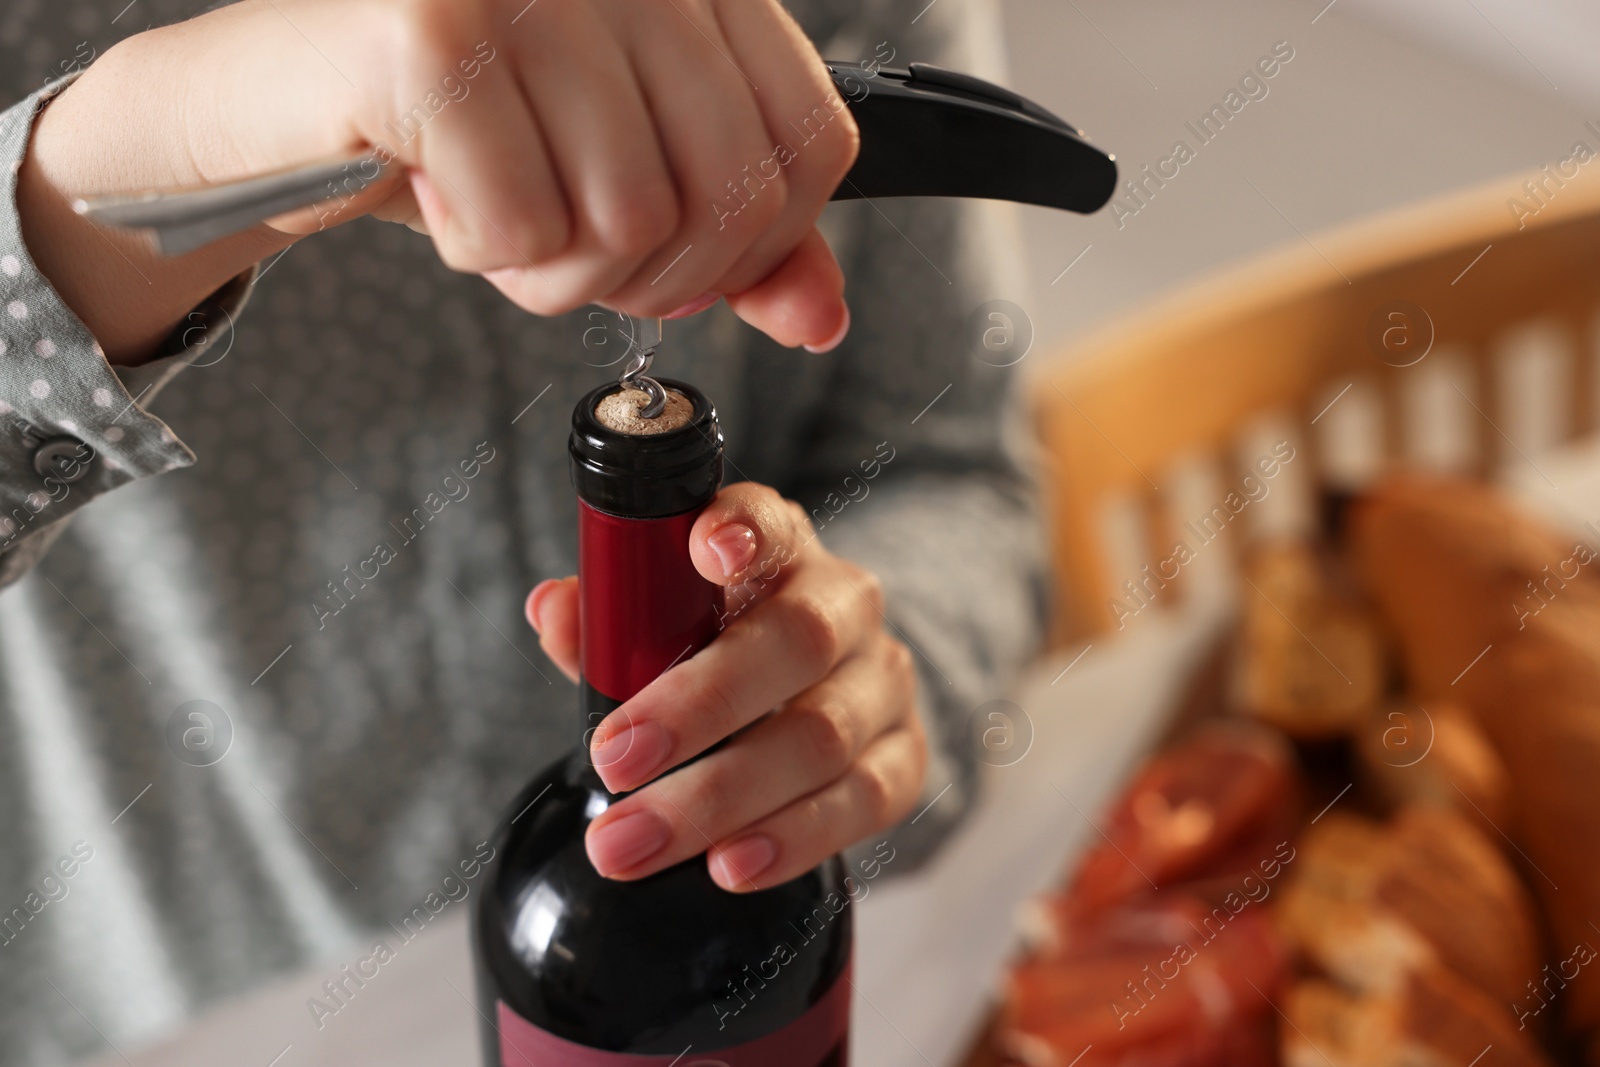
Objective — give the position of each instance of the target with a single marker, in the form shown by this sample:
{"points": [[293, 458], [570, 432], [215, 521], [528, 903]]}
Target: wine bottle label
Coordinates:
{"points": [[818, 1038]]}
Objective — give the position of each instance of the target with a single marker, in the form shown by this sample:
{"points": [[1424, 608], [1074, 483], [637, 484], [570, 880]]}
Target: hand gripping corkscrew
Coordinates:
{"points": [[925, 131]]}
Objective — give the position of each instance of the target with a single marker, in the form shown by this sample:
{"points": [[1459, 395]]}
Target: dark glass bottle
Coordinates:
{"points": [[575, 970]]}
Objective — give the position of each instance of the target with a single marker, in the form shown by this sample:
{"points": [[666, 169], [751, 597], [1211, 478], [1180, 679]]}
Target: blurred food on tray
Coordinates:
{"points": [[1355, 862]]}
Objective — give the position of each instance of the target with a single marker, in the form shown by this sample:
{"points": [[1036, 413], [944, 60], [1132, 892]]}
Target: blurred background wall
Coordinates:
{"points": [[1384, 102]]}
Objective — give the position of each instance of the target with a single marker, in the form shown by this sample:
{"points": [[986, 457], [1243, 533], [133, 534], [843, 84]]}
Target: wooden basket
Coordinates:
{"points": [[1499, 303]]}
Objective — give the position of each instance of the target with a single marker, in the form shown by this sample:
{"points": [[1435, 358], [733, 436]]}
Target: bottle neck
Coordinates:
{"points": [[642, 605], [593, 707]]}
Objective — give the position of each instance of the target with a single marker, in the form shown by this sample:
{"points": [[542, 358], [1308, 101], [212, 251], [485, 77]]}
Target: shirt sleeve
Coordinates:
{"points": [[72, 426]]}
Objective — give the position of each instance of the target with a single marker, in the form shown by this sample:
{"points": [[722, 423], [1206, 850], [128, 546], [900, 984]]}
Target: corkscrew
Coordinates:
{"points": [[636, 374]]}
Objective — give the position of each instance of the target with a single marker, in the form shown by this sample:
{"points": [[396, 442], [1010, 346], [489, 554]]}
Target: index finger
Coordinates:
{"points": [[814, 136], [784, 646]]}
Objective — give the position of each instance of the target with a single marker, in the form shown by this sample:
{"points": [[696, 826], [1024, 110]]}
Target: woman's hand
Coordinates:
{"points": [[840, 758], [647, 155]]}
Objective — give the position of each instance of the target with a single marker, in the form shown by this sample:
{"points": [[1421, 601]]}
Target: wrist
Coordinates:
{"points": [[103, 134]]}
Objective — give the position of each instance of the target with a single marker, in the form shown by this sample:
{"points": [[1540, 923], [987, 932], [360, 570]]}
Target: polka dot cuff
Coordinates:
{"points": [[71, 425]]}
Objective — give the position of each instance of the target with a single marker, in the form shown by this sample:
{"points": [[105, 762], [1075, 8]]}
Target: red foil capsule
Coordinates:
{"points": [[642, 605]]}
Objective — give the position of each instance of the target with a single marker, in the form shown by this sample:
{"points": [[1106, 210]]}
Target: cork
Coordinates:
{"points": [[620, 412]]}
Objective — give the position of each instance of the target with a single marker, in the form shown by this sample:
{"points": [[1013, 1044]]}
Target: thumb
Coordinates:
{"points": [[802, 302], [552, 611]]}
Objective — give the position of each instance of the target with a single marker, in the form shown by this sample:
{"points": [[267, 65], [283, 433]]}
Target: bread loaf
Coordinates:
{"points": [[1448, 882], [1374, 904], [1495, 610], [1329, 910], [1452, 565], [1539, 700], [1435, 1020]]}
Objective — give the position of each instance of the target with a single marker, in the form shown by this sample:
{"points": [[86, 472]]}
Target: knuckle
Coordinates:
{"points": [[636, 225], [919, 768], [431, 31], [457, 255], [782, 195], [747, 180], [769, 511], [800, 522], [877, 794], [815, 632], [717, 700], [812, 814], [827, 736], [713, 796], [902, 664], [768, 206], [761, 496], [526, 241], [838, 153], [869, 585], [539, 238]]}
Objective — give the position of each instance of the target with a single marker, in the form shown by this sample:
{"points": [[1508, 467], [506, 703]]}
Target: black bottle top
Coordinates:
{"points": [[646, 476]]}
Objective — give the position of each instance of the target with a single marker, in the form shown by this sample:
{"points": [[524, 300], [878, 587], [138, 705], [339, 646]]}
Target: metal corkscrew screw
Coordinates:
{"points": [[636, 374]]}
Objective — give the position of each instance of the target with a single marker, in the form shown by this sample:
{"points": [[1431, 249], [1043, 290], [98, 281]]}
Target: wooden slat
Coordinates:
{"points": [[1577, 317], [1183, 376]]}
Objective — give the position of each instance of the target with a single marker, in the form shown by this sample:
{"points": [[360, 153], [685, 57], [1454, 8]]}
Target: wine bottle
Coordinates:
{"points": [[576, 970]]}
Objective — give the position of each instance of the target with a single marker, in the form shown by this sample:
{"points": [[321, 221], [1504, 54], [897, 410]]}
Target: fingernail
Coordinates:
{"points": [[695, 306], [735, 546], [736, 866], [838, 338], [627, 842], [536, 603], [628, 759]]}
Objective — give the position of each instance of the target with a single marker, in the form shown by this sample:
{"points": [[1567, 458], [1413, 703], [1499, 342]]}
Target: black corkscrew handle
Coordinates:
{"points": [[927, 131]]}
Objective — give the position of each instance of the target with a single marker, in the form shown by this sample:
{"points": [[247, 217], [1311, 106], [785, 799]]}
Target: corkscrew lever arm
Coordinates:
{"points": [[925, 131]]}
